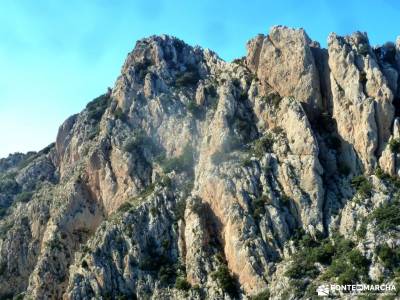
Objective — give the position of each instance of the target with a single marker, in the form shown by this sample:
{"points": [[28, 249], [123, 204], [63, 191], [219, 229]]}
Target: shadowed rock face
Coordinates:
{"points": [[194, 178]]}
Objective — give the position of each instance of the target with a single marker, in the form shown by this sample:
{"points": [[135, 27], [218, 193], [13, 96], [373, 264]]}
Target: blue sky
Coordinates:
{"points": [[55, 56]]}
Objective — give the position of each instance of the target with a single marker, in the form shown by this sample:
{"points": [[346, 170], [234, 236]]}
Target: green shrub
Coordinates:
{"points": [[360, 262], [24, 197], [195, 109], [93, 131], [147, 191], [97, 107], [259, 206], [243, 127], [362, 186], [348, 264], [301, 269], [141, 68], [8, 186], [26, 161], [188, 78], [387, 217], [342, 245], [278, 130], [154, 262], [335, 269], [124, 207], [138, 142], [19, 297], [394, 145], [362, 230], [54, 244], [348, 275], [182, 163], [247, 162], [131, 145], [225, 280], [323, 253], [119, 114], [262, 145], [239, 61], [182, 284], [363, 49], [264, 295], [165, 181], [343, 262], [384, 176], [390, 257], [167, 274], [273, 99]]}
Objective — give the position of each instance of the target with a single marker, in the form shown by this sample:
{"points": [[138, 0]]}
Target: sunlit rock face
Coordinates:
{"points": [[196, 178]]}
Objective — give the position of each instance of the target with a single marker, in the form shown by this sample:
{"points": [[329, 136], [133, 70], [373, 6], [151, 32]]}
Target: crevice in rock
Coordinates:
{"points": [[377, 151]]}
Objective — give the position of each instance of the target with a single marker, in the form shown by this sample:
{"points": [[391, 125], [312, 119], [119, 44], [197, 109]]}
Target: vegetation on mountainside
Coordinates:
{"points": [[362, 185], [342, 263], [181, 163], [97, 107], [394, 145]]}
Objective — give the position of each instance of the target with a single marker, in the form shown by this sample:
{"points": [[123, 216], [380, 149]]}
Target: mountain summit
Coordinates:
{"points": [[196, 178]]}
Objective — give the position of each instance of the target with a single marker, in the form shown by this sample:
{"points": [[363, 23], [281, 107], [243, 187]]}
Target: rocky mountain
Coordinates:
{"points": [[196, 178]]}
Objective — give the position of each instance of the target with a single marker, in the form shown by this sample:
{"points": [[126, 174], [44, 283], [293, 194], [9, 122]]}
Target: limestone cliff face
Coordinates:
{"points": [[195, 178]]}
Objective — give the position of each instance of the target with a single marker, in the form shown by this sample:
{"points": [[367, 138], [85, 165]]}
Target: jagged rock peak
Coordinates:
{"points": [[197, 178]]}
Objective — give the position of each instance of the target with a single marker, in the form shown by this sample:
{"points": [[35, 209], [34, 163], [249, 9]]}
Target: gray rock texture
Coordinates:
{"points": [[196, 178]]}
